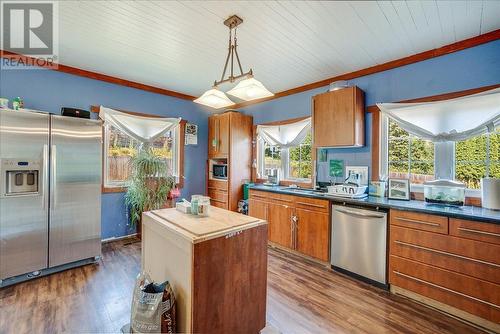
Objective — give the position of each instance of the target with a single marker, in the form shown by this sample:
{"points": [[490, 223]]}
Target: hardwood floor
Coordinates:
{"points": [[303, 297]]}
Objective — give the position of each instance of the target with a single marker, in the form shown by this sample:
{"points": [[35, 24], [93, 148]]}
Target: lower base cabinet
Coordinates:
{"points": [[453, 262], [312, 233], [297, 223], [281, 225]]}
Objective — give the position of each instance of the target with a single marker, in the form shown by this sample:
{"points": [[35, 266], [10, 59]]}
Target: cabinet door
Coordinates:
{"points": [[312, 233], [338, 118], [223, 135], [257, 209], [212, 136], [279, 218]]}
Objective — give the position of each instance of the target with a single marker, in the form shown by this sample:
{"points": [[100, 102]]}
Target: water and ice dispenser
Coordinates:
{"points": [[20, 177]]}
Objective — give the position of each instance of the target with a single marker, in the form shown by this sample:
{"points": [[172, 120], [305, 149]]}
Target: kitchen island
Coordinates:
{"points": [[217, 266]]}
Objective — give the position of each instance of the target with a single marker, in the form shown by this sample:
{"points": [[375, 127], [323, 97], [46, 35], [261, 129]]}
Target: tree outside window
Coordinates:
{"points": [[476, 158], [120, 148], [300, 160], [409, 157]]}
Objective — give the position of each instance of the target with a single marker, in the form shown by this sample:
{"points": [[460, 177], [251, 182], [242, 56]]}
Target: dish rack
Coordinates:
{"points": [[346, 190]]}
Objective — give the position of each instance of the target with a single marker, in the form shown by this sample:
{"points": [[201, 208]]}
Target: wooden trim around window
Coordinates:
{"points": [[254, 153], [182, 129], [376, 120]]}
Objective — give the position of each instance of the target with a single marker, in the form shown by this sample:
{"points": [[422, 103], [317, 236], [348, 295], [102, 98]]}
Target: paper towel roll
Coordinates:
{"points": [[490, 193]]}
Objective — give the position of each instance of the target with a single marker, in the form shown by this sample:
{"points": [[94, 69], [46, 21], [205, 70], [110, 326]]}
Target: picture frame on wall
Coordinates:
{"points": [[399, 189]]}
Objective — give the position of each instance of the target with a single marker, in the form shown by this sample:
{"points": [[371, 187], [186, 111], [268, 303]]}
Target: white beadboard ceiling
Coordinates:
{"points": [[181, 45]]}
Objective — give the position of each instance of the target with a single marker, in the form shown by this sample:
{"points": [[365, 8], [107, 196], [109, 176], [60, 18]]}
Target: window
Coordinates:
{"points": [[299, 160], [295, 163], [120, 148], [407, 156], [476, 158]]}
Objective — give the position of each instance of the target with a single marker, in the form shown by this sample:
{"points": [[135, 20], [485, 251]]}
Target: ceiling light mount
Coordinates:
{"points": [[248, 89]]}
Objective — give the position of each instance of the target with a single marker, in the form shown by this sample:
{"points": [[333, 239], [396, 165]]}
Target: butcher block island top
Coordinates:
{"points": [[217, 266], [197, 228]]}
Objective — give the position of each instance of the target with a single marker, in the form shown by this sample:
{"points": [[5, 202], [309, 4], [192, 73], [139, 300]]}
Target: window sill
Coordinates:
{"points": [[109, 190]]}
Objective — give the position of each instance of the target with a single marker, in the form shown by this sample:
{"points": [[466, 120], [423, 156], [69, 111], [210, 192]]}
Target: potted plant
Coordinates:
{"points": [[149, 184]]}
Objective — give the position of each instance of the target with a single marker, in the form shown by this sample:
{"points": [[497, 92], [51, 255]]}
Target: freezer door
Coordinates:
{"points": [[75, 201], [24, 139]]}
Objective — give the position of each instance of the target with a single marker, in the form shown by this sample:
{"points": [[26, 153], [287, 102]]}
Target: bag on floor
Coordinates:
{"points": [[153, 307]]}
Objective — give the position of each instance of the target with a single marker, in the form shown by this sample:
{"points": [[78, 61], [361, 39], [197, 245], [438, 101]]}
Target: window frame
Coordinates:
{"points": [[180, 148], [258, 161], [443, 168]]}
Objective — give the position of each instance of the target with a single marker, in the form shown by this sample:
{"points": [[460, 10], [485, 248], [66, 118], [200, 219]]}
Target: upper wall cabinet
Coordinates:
{"points": [[339, 118], [218, 135]]}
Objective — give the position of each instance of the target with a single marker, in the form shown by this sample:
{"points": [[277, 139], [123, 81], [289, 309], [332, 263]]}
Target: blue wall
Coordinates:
{"points": [[49, 90], [470, 68]]}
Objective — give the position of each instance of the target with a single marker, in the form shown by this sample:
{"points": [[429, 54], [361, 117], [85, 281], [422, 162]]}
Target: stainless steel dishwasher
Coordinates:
{"points": [[359, 243]]}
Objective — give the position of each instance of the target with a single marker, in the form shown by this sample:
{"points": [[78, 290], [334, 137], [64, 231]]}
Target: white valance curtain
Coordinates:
{"points": [[449, 120], [143, 129], [286, 135]]}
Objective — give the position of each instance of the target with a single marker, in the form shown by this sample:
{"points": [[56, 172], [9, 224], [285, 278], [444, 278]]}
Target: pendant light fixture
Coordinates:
{"points": [[247, 89]]}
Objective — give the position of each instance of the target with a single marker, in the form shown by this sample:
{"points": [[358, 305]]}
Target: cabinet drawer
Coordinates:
{"points": [[281, 198], [463, 292], [219, 204], [314, 204], [260, 195], [420, 221], [469, 257], [475, 230], [217, 195], [217, 185]]}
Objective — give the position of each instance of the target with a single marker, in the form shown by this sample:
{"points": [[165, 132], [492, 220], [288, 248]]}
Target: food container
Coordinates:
{"points": [[446, 192], [203, 206]]}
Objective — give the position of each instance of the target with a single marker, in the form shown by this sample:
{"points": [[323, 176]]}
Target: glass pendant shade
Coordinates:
{"points": [[214, 98], [250, 89]]}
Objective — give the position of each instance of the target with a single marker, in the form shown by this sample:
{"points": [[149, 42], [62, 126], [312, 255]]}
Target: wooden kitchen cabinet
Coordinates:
{"points": [[257, 208], [312, 233], [297, 223], [218, 135], [229, 143], [338, 118], [452, 262], [279, 218]]}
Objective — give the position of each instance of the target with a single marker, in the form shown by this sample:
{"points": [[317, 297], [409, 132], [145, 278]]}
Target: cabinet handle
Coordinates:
{"points": [[417, 221], [478, 231], [313, 205], [445, 289], [446, 253], [292, 227]]}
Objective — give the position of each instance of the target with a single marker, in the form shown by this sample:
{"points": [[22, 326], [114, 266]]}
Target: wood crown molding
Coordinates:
{"points": [[97, 76], [450, 48]]}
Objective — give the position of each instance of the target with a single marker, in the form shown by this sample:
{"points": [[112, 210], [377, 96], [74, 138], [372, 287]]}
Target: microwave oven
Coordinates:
{"points": [[219, 171]]}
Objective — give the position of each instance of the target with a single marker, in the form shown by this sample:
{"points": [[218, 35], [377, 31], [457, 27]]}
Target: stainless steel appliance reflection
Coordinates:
{"points": [[359, 243], [50, 207]]}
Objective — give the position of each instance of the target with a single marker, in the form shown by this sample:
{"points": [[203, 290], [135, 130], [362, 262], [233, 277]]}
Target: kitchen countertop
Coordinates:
{"points": [[465, 212]]}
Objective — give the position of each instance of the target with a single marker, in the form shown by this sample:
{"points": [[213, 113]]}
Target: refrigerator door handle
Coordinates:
{"points": [[45, 177], [53, 170]]}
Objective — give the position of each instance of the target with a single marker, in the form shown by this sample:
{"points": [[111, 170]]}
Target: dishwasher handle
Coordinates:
{"points": [[359, 214]]}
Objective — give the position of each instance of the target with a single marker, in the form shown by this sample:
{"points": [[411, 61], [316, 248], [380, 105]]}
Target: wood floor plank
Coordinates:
{"points": [[303, 297]]}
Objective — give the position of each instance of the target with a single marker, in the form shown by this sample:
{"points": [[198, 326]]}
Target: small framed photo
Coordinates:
{"points": [[399, 189]]}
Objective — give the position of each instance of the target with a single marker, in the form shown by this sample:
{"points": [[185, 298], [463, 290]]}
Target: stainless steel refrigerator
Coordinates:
{"points": [[50, 193]]}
